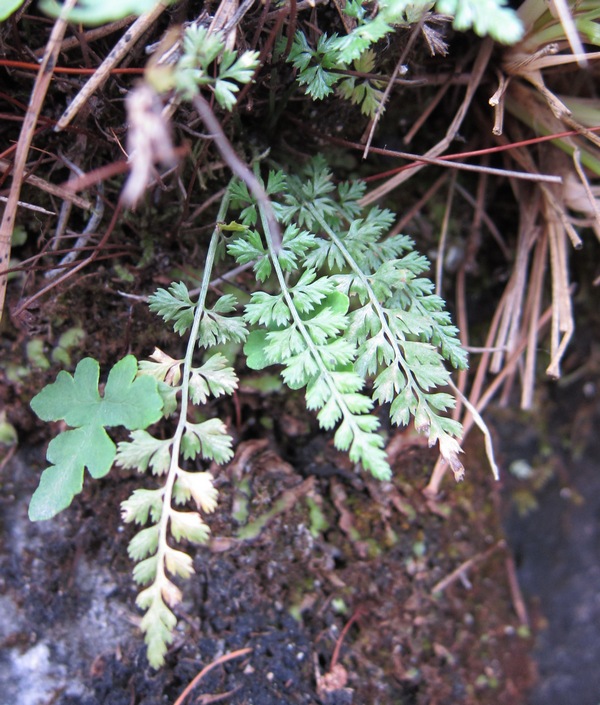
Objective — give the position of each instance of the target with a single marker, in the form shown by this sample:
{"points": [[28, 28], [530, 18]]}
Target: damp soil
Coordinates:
{"points": [[323, 585], [340, 589]]}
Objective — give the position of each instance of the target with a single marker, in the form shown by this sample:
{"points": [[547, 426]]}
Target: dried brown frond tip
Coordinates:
{"points": [[449, 450], [434, 36], [149, 140]]}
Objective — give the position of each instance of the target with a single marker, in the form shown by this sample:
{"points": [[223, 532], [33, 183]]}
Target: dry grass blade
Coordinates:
{"points": [[38, 94], [478, 420], [148, 141], [30, 206], [479, 67], [418, 161], [564, 13], [63, 192], [399, 64], [533, 309], [459, 573], [546, 227], [91, 35], [562, 310], [103, 72], [481, 400], [512, 303], [542, 109], [581, 196]]}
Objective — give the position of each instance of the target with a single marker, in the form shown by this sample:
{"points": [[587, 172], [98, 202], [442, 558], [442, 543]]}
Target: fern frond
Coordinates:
{"points": [[151, 548], [385, 325]]}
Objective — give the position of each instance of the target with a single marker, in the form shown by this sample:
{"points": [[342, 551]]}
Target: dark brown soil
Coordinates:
{"points": [[315, 546], [299, 552]]}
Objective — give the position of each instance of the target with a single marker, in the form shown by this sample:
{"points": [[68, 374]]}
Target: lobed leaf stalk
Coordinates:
{"points": [[187, 365]]}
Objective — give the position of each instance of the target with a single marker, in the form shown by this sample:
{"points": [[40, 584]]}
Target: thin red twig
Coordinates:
{"points": [[449, 157], [206, 669], [359, 612], [80, 265], [10, 63]]}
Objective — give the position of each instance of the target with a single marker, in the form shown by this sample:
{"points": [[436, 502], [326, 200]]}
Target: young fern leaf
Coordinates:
{"points": [[322, 68], [175, 305], [364, 92], [158, 563], [205, 62], [315, 65]]}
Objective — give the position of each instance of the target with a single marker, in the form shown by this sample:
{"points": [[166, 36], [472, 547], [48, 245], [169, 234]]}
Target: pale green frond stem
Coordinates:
{"points": [[187, 365], [299, 323], [372, 298]]}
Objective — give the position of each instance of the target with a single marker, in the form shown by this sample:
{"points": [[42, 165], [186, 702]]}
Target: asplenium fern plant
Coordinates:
{"points": [[342, 310], [340, 307]]}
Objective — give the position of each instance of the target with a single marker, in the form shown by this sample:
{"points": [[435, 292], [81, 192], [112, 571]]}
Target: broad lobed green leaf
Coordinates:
{"points": [[128, 401]]}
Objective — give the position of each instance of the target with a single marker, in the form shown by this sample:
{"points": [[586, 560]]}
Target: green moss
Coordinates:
{"points": [[318, 521]]}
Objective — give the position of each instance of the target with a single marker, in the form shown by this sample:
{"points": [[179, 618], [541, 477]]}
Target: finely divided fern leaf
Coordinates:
{"points": [[157, 561], [321, 68], [353, 308]]}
